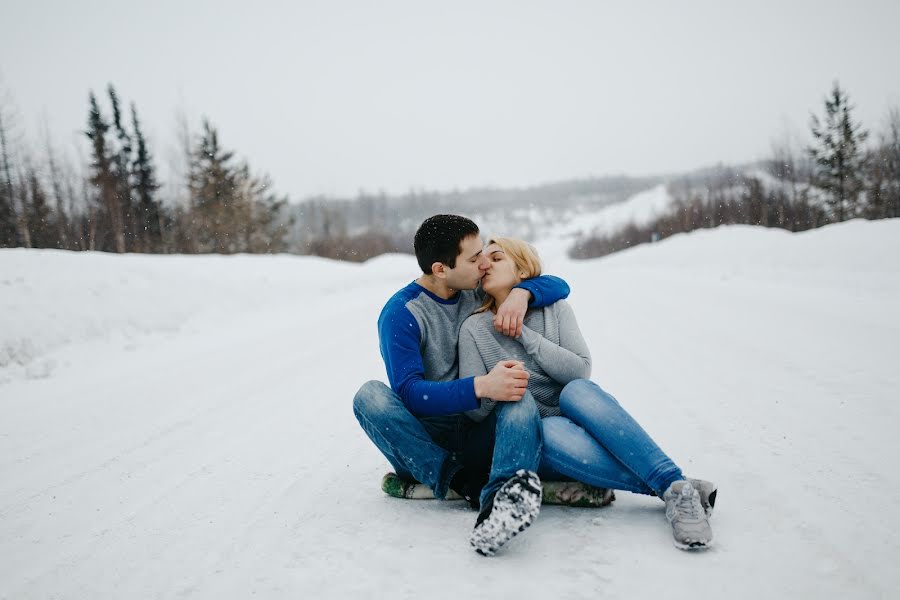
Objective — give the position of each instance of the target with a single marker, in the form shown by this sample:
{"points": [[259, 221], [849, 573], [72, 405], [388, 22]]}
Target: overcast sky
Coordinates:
{"points": [[333, 97]]}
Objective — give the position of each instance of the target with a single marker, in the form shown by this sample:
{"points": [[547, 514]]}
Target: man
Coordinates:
{"points": [[418, 423]]}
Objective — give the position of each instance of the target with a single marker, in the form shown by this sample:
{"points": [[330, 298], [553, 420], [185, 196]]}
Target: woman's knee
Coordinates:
{"points": [[556, 429], [583, 394], [565, 440]]}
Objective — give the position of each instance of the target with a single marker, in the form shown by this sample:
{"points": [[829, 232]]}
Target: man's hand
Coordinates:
{"points": [[506, 382], [511, 313]]}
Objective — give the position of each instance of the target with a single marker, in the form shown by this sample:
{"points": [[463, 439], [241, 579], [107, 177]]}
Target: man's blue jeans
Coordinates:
{"points": [[432, 449], [597, 442]]}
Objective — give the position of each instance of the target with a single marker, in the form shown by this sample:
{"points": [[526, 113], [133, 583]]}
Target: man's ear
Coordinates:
{"points": [[439, 269]]}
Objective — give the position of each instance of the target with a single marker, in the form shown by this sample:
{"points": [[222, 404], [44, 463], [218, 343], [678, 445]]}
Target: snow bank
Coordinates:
{"points": [[52, 298], [853, 250]]}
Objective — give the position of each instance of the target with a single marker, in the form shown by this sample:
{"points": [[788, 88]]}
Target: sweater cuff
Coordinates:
{"points": [[529, 339]]}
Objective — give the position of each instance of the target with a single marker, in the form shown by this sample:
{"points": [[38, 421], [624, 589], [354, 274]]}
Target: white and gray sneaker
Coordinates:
{"points": [[512, 509], [690, 523]]}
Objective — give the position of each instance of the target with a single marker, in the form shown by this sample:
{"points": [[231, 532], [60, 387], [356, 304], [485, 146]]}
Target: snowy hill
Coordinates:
{"points": [[181, 426], [640, 209]]}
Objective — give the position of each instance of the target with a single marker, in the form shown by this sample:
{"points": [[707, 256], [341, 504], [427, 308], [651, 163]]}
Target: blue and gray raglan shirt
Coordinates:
{"points": [[418, 332]]}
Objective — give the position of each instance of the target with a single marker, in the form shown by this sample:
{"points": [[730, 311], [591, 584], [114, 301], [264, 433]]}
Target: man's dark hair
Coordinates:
{"points": [[438, 240]]}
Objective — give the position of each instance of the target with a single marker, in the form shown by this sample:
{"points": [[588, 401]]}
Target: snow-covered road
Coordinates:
{"points": [[181, 426]]}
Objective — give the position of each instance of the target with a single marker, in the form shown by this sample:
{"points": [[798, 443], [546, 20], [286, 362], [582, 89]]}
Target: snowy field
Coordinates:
{"points": [[181, 427]]}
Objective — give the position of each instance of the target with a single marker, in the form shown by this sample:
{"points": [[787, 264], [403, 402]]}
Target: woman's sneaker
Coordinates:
{"points": [[708, 493], [690, 524], [510, 511]]}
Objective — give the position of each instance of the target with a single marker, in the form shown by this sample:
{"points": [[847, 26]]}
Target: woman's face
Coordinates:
{"points": [[502, 274]]}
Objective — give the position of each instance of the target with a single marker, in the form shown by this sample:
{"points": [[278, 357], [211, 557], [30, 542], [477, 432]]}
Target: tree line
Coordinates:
{"points": [[114, 204], [836, 178]]}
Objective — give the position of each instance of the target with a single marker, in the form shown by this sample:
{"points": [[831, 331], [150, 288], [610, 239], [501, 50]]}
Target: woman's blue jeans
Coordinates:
{"points": [[597, 442], [433, 449]]}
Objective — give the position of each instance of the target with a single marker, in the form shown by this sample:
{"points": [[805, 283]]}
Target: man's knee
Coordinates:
{"points": [[373, 398], [524, 410]]}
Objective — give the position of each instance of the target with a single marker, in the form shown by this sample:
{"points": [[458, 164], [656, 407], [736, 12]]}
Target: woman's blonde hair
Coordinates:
{"points": [[524, 257]]}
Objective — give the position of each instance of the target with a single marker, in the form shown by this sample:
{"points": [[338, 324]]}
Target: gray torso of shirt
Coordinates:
{"points": [[439, 323], [493, 347]]}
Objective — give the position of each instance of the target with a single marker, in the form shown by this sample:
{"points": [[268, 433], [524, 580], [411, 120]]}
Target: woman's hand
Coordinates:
{"points": [[506, 382], [511, 313]]}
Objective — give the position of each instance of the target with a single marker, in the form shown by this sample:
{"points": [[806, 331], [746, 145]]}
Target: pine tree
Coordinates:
{"points": [[212, 184], [103, 177], [265, 227], [149, 215], [232, 210], [121, 162], [838, 155]]}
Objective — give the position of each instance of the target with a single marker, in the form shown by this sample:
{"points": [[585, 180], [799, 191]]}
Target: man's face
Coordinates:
{"points": [[470, 265]]}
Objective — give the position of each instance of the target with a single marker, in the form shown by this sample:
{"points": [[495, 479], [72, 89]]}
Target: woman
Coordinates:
{"points": [[588, 436]]}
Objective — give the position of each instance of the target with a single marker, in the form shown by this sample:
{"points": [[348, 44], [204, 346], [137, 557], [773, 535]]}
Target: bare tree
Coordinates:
{"points": [[889, 155], [9, 220], [784, 167], [55, 175], [175, 230]]}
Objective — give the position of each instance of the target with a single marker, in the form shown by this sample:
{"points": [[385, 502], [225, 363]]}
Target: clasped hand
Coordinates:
{"points": [[506, 382]]}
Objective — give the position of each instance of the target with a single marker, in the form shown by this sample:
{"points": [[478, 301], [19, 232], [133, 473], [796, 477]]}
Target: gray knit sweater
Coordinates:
{"points": [[551, 347]]}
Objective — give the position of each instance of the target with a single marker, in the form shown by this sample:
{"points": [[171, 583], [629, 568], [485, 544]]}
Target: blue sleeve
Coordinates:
{"points": [[399, 337], [545, 290]]}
